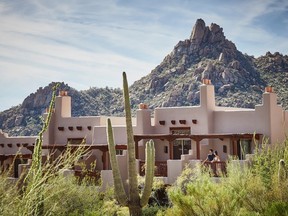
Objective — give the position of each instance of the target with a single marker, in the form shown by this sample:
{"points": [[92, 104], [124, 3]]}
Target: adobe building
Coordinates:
{"points": [[181, 135]]}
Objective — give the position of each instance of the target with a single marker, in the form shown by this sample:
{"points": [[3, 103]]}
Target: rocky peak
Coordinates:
{"points": [[207, 41], [198, 32], [206, 54], [203, 34]]}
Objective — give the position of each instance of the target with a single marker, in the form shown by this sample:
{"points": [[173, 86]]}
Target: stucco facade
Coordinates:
{"points": [[181, 134]]}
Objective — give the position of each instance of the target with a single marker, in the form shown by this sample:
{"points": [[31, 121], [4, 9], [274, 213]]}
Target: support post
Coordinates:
{"points": [[104, 156], [198, 148], [136, 150], [170, 150]]}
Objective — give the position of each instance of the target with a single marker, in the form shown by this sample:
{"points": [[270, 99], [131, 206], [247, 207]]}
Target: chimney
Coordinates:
{"points": [[206, 81], [269, 89], [63, 93], [143, 106], [63, 104], [143, 119], [207, 94]]}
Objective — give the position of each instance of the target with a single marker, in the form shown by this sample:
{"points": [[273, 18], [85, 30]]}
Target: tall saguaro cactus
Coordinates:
{"points": [[132, 200]]}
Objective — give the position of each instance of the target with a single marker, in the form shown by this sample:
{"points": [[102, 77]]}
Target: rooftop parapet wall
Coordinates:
{"points": [[270, 117], [201, 115], [74, 127], [235, 121], [15, 145], [100, 135], [168, 117]]}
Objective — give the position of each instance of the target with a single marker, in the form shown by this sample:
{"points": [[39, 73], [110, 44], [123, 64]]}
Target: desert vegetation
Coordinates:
{"points": [[258, 189]]}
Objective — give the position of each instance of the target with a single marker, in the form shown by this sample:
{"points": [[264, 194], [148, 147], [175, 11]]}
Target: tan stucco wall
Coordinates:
{"points": [[14, 149], [234, 121]]}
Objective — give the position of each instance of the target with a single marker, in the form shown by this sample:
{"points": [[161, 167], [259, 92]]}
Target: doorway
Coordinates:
{"points": [[18, 161], [180, 146], [243, 148]]}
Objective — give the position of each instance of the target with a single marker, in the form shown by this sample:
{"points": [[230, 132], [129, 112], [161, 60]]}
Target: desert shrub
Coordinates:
{"points": [[201, 196], [9, 196], [61, 195], [278, 208], [43, 190], [67, 197], [152, 210], [246, 190], [266, 160]]}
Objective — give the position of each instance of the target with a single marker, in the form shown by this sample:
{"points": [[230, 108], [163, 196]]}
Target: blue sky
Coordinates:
{"points": [[89, 43]]}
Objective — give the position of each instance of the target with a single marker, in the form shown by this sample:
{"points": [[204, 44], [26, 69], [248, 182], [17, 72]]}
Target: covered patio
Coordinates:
{"points": [[102, 147], [234, 137], [162, 165]]}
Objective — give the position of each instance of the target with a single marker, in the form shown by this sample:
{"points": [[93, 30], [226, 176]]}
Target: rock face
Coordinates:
{"points": [[239, 81], [198, 32], [207, 54]]}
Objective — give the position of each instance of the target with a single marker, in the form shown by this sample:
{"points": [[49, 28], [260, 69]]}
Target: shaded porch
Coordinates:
{"points": [[86, 147], [233, 137]]}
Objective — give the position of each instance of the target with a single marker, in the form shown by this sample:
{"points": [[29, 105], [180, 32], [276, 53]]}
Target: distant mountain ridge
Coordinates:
{"points": [[239, 80]]}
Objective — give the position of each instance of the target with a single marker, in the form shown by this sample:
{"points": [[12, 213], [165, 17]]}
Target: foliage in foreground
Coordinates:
{"points": [[255, 190]]}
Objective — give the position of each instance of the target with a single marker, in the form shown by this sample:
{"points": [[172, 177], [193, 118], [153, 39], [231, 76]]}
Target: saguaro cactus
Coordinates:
{"points": [[132, 200]]}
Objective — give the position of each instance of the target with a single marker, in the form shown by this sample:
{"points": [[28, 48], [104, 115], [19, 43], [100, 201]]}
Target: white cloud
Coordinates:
{"points": [[89, 43]]}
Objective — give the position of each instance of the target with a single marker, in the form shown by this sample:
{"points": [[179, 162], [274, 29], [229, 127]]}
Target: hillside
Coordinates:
{"points": [[239, 81], [25, 119]]}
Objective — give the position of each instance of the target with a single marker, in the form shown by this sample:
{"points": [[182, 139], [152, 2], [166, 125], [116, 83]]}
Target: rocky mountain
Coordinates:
{"points": [[273, 69], [206, 54], [239, 80], [25, 119]]}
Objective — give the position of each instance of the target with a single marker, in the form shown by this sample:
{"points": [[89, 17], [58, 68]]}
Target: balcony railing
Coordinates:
{"points": [[217, 168], [160, 168]]}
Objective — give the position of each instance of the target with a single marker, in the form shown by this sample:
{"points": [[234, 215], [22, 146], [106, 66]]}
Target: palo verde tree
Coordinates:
{"points": [[132, 200]]}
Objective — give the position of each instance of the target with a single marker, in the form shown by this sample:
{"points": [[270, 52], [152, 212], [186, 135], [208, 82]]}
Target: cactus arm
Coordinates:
{"points": [[150, 163], [132, 172], [118, 184]]}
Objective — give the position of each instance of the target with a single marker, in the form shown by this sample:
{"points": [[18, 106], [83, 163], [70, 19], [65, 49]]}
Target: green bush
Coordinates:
{"points": [[247, 190]]}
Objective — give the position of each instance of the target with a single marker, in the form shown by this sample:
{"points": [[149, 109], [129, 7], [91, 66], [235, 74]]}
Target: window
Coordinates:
{"points": [[224, 149], [119, 151], [166, 149]]}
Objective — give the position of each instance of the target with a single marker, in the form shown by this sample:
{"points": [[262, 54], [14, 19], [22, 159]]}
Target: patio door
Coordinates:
{"points": [[243, 148], [180, 146]]}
